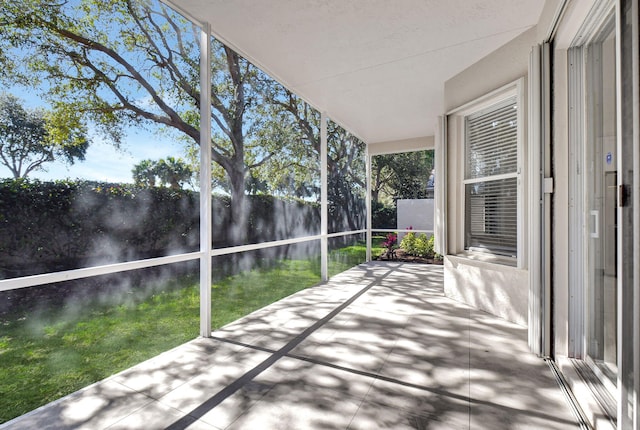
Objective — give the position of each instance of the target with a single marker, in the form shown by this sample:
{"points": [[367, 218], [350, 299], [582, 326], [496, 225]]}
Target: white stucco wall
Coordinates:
{"points": [[415, 213], [406, 145], [495, 288], [497, 69]]}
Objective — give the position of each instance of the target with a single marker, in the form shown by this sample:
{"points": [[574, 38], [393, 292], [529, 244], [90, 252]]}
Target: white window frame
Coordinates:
{"points": [[457, 139]]}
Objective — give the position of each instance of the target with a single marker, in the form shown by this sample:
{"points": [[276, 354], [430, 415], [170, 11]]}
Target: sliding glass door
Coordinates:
{"points": [[600, 185]]}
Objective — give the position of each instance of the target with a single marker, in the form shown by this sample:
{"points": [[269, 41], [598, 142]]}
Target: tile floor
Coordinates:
{"points": [[377, 347]]}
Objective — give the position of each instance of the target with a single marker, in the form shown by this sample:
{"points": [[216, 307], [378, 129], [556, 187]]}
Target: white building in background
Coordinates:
{"points": [[416, 214]]}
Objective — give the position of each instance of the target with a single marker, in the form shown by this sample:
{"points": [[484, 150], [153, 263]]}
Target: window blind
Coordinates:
{"points": [[492, 141], [491, 212]]}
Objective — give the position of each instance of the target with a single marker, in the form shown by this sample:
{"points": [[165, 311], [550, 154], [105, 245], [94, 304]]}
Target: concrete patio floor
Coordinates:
{"points": [[377, 347]]}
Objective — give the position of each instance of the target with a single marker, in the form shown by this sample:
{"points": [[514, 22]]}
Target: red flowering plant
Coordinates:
{"points": [[390, 244]]}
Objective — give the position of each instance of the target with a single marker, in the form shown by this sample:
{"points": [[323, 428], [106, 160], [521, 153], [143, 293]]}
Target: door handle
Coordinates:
{"points": [[595, 216]]}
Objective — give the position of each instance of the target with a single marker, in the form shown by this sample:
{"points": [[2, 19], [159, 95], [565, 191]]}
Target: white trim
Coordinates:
{"points": [[635, 12], [406, 230], [276, 243], [539, 154], [440, 189], [69, 275], [346, 233], [535, 138], [87, 272], [600, 10], [546, 185], [324, 199], [514, 89], [576, 203], [622, 392], [206, 216], [367, 160], [491, 178], [555, 21], [492, 98], [522, 203]]}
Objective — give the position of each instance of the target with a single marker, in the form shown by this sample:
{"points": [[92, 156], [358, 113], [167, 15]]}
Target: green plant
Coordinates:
{"points": [[408, 243], [424, 246], [432, 244]]}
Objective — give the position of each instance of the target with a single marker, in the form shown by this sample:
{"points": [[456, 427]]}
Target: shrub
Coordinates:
{"points": [[383, 216], [423, 246], [432, 244], [420, 246], [408, 243], [63, 225]]}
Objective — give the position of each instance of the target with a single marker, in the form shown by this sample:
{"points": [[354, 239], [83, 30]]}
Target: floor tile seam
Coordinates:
{"points": [[146, 405], [378, 376], [362, 402], [267, 363], [363, 373], [410, 409], [241, 414], [184, 381]]}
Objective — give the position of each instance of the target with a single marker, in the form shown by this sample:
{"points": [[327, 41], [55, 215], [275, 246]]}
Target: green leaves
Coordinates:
{"points": [[29, 138], [172, 171]]}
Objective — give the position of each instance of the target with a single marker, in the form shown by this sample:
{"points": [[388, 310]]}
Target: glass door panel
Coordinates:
{"points": [[600, 195]]}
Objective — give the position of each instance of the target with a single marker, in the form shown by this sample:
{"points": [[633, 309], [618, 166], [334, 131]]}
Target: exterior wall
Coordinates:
{"points": [[489, 283], [485, 282], [406, 145], [503, 66], [498, 289]]}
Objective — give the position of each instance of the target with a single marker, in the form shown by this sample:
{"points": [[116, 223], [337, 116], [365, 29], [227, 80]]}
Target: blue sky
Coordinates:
{"points": [[103, 161]]}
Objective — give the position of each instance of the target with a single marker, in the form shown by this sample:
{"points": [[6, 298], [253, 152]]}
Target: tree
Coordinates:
{"points": [[411, 174], [345, 157], [129, 62], [30, 138], [403, 175], [381, 177], [172, 171], [144, 173]]}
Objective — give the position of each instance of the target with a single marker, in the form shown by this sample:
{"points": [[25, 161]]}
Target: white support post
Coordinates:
{"points": [[441, 183], [635, 73], [324, 201], [368, 201], [205, 181]]}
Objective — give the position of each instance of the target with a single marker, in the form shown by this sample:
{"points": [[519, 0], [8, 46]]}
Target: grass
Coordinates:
{"points": [[51, 353]]}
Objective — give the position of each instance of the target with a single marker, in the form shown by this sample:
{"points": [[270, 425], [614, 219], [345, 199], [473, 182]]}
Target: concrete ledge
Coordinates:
{"points": [[499, 289]]}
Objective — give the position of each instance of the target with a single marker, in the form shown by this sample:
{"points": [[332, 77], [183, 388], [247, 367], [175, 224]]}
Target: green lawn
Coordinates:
{"points": [[48, 354]]}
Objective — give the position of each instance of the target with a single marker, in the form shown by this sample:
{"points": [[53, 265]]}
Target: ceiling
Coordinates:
{"points": [[377, 67]]}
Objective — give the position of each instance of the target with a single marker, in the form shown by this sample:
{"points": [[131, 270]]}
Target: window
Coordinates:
{"points": [[490, 179]]}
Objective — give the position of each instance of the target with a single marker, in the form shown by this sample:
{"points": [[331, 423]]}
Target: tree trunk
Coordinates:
{"points": [[239, 228]]}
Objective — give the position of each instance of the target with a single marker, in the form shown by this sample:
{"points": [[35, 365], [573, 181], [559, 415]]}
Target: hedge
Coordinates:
{"points": [[62, 225]]}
